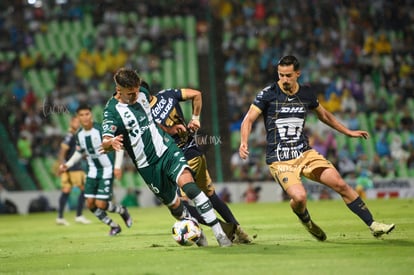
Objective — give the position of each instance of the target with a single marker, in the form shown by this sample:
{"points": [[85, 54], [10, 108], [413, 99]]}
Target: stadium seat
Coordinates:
{"points": [[42, 175], [50, 165], [411, 172], [139, 181], [192, 64], [128, 179], [187, 108], [180, 63], [235, 140], [133, 17], [190, 27], [97, 112], [402, 171], [167, 68]]}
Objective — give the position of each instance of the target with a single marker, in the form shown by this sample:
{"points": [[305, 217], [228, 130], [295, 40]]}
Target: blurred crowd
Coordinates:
{"points": [[359, 54], [87, 76]]}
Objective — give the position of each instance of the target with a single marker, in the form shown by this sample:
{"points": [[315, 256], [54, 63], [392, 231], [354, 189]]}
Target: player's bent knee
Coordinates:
{"points": [[299, 197]]}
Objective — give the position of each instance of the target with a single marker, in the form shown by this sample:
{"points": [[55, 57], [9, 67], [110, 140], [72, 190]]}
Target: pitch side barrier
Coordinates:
{"points": [[269, 191]]}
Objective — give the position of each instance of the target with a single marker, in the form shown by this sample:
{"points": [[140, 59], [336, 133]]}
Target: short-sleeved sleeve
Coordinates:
{"points": [[109, 126], [314, 102], [260, 101]]}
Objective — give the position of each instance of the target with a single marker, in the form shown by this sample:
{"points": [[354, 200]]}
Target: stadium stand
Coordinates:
{"points": [[55, 52]]}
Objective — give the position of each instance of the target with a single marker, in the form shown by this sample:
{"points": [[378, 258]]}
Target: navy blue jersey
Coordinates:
{"points": [[166, 110], [70, 141], [284, 117]]}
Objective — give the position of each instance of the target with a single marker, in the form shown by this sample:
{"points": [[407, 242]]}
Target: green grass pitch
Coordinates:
{"points": [[33, 244]]}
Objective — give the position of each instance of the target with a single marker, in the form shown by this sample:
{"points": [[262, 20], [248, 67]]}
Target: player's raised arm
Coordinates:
{"points": [[329, 119], [197, 101]]}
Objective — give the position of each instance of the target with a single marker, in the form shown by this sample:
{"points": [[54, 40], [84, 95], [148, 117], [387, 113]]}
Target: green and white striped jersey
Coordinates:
{"points": [[100, 166], [143, 140]]}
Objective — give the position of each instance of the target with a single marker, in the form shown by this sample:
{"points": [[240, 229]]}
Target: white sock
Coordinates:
{"points": [[205, 208]]}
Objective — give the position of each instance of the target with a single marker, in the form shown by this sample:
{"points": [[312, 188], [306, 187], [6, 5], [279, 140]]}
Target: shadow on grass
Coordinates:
{"points": [[382, 242]]}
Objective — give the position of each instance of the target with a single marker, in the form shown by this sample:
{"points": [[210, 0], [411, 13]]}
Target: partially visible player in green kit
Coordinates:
{"points": [[128, 124]]}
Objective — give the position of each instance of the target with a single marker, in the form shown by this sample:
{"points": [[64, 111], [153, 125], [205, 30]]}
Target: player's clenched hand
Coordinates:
{"points": [[194, 125], [62, 168], [109, 144], [359, 133], [243, 151]]}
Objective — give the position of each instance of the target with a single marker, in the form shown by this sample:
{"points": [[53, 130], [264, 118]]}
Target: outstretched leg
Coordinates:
{"points": [[330, 177]]}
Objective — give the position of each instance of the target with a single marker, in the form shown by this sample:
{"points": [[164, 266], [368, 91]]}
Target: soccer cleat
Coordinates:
{"points": [[203, 239], [61, 221], [82, 219], [241, 236], [229, 229], [315, 230], [115, 230], [223, 240], [378, 229], [126, 217]]}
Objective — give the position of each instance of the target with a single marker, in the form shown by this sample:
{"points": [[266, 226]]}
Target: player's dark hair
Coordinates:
{"points": [[288, 60], [127, 78], [83, 106], [145, 86]]}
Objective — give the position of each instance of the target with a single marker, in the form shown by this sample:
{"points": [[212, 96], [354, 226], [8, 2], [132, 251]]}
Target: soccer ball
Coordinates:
{"points": [[186, 232]]}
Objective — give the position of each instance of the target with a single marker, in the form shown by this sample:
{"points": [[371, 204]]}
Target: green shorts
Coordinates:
{"points": [[100, 189], [162, 177]]}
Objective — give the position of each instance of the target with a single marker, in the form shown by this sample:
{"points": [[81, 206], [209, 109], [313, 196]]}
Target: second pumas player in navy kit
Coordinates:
{"points": [[167, 112]]}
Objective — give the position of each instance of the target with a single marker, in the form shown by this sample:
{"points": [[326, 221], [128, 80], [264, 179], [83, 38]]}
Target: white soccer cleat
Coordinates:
{"points": [[202, 241], [223, 240], [61, 221], [82, 219], [378, 229]]}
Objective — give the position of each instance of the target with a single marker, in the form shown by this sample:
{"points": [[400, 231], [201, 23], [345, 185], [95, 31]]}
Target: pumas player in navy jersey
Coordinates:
{"points": [[284, 106]]}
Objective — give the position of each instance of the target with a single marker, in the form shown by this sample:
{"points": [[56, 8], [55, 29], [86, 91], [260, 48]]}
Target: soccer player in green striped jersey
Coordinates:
{"points": [[167, 112], [101, 171], [128, 124]]}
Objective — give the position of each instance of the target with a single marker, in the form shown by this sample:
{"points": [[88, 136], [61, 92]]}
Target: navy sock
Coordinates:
{"points": [[359, 207], [304, 217], [222, 209], [62, 203], [81, 203]]}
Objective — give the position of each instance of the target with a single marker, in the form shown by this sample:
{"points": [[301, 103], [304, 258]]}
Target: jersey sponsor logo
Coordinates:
{"points": [[286, 109], [153, 188], [162, 108], [205, 206], [290, 99]]}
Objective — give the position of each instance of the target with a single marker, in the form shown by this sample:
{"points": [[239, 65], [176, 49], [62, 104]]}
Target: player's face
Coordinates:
{"points": [[85, 118], [74, 123], [127, 95], [288, 77]]}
